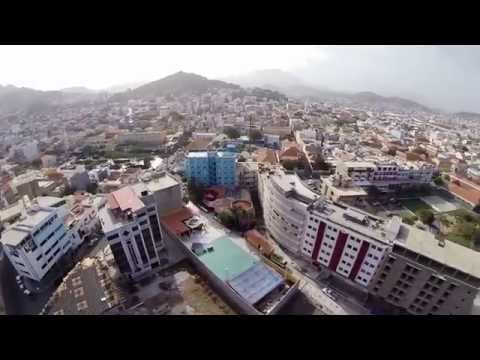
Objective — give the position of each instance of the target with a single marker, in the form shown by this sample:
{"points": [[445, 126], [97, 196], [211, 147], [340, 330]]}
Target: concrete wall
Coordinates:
{"points": [[290, 294]]}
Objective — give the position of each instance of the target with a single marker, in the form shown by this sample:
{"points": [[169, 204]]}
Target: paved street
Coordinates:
{"points": [[17, 303]]}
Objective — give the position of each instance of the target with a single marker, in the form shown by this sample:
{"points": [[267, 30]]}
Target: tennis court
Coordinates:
{"points": [[438, 204], [416, 205], [227, 260]]}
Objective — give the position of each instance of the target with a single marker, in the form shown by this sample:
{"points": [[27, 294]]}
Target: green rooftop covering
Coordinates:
{"points": [[227, 260]]}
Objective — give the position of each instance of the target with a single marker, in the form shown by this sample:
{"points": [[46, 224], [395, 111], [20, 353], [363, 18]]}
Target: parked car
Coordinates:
{"points": [[329, 293], [27, 292]]}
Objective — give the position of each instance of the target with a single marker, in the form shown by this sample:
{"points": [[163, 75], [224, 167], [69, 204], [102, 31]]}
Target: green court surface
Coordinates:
{"points": [[227, 260], [415, 205]]}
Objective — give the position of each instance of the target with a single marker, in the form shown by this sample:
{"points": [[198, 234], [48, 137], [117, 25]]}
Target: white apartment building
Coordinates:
{"points": [[247, 173], [384, 175], [349, 242], [285, 200], [39, 238], [82, 219], [133, 232]]}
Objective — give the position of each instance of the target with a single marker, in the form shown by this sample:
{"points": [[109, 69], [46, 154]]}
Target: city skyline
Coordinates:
{"points": [[443, 77]]}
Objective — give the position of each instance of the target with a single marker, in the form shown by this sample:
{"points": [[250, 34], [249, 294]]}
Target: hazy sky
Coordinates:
{"points": [[447, 77]]}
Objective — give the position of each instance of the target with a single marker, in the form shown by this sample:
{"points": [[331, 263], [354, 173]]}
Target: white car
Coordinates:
{"points": [[329, 293], [27, 292], [18, 278]]}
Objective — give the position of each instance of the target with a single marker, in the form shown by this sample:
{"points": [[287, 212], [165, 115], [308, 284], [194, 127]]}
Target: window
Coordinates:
{"points": [[349, 246], [143, 222], [135, 228], [112, 237], [39, 257], [451, 287], [422, 293]]}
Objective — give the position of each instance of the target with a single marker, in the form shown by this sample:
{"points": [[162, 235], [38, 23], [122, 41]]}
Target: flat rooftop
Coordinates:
{"points": [[227, 260], [453, 255], [158, 184], [204, 154], [359, 164], [13, 236], [289, 182]]}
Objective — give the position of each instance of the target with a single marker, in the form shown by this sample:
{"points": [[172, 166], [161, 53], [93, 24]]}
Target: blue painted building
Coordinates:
{"points": [[212, 168]]}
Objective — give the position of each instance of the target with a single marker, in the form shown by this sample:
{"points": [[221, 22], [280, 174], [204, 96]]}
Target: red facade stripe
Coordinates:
{"points": [[318, 241], [338, 250], [359, 260]]}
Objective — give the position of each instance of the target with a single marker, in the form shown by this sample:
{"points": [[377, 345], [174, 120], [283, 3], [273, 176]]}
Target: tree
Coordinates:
{"points": [[392, 151], [476, 208], [146, 162], [232, 133], [426, 216], [67, 190], [37, 163], [319, 163], [255, 135], [244, 219], [290, 164], [408, 220], [446, 177], [195, 191], [227, 218], [241, 159], [476, 238], [438, 181], [92, 188]]}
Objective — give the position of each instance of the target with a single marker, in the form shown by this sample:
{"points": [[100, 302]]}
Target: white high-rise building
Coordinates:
{"points": [[39, 238], [133, 232]]}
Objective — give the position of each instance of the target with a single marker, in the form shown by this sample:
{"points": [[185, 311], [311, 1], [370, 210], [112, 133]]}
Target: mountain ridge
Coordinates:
{"points": [[178, 83]]}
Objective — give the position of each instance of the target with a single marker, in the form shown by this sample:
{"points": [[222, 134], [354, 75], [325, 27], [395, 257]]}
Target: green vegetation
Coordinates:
{"points": [[292, 165], [232, 133], [439, 181], [92, 188], [426, 216], [320, 164], [415, 205], [476, 208], [409, 219], [462, 227], [195, 192], [237, 219], [255, 135], [227, 218]]}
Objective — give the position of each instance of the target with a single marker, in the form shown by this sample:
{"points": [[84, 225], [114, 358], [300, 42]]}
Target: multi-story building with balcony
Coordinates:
{"points": [[371, 253], [424, 275], [39, 238], [385, 175], [133, 232], [212, 168]]}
